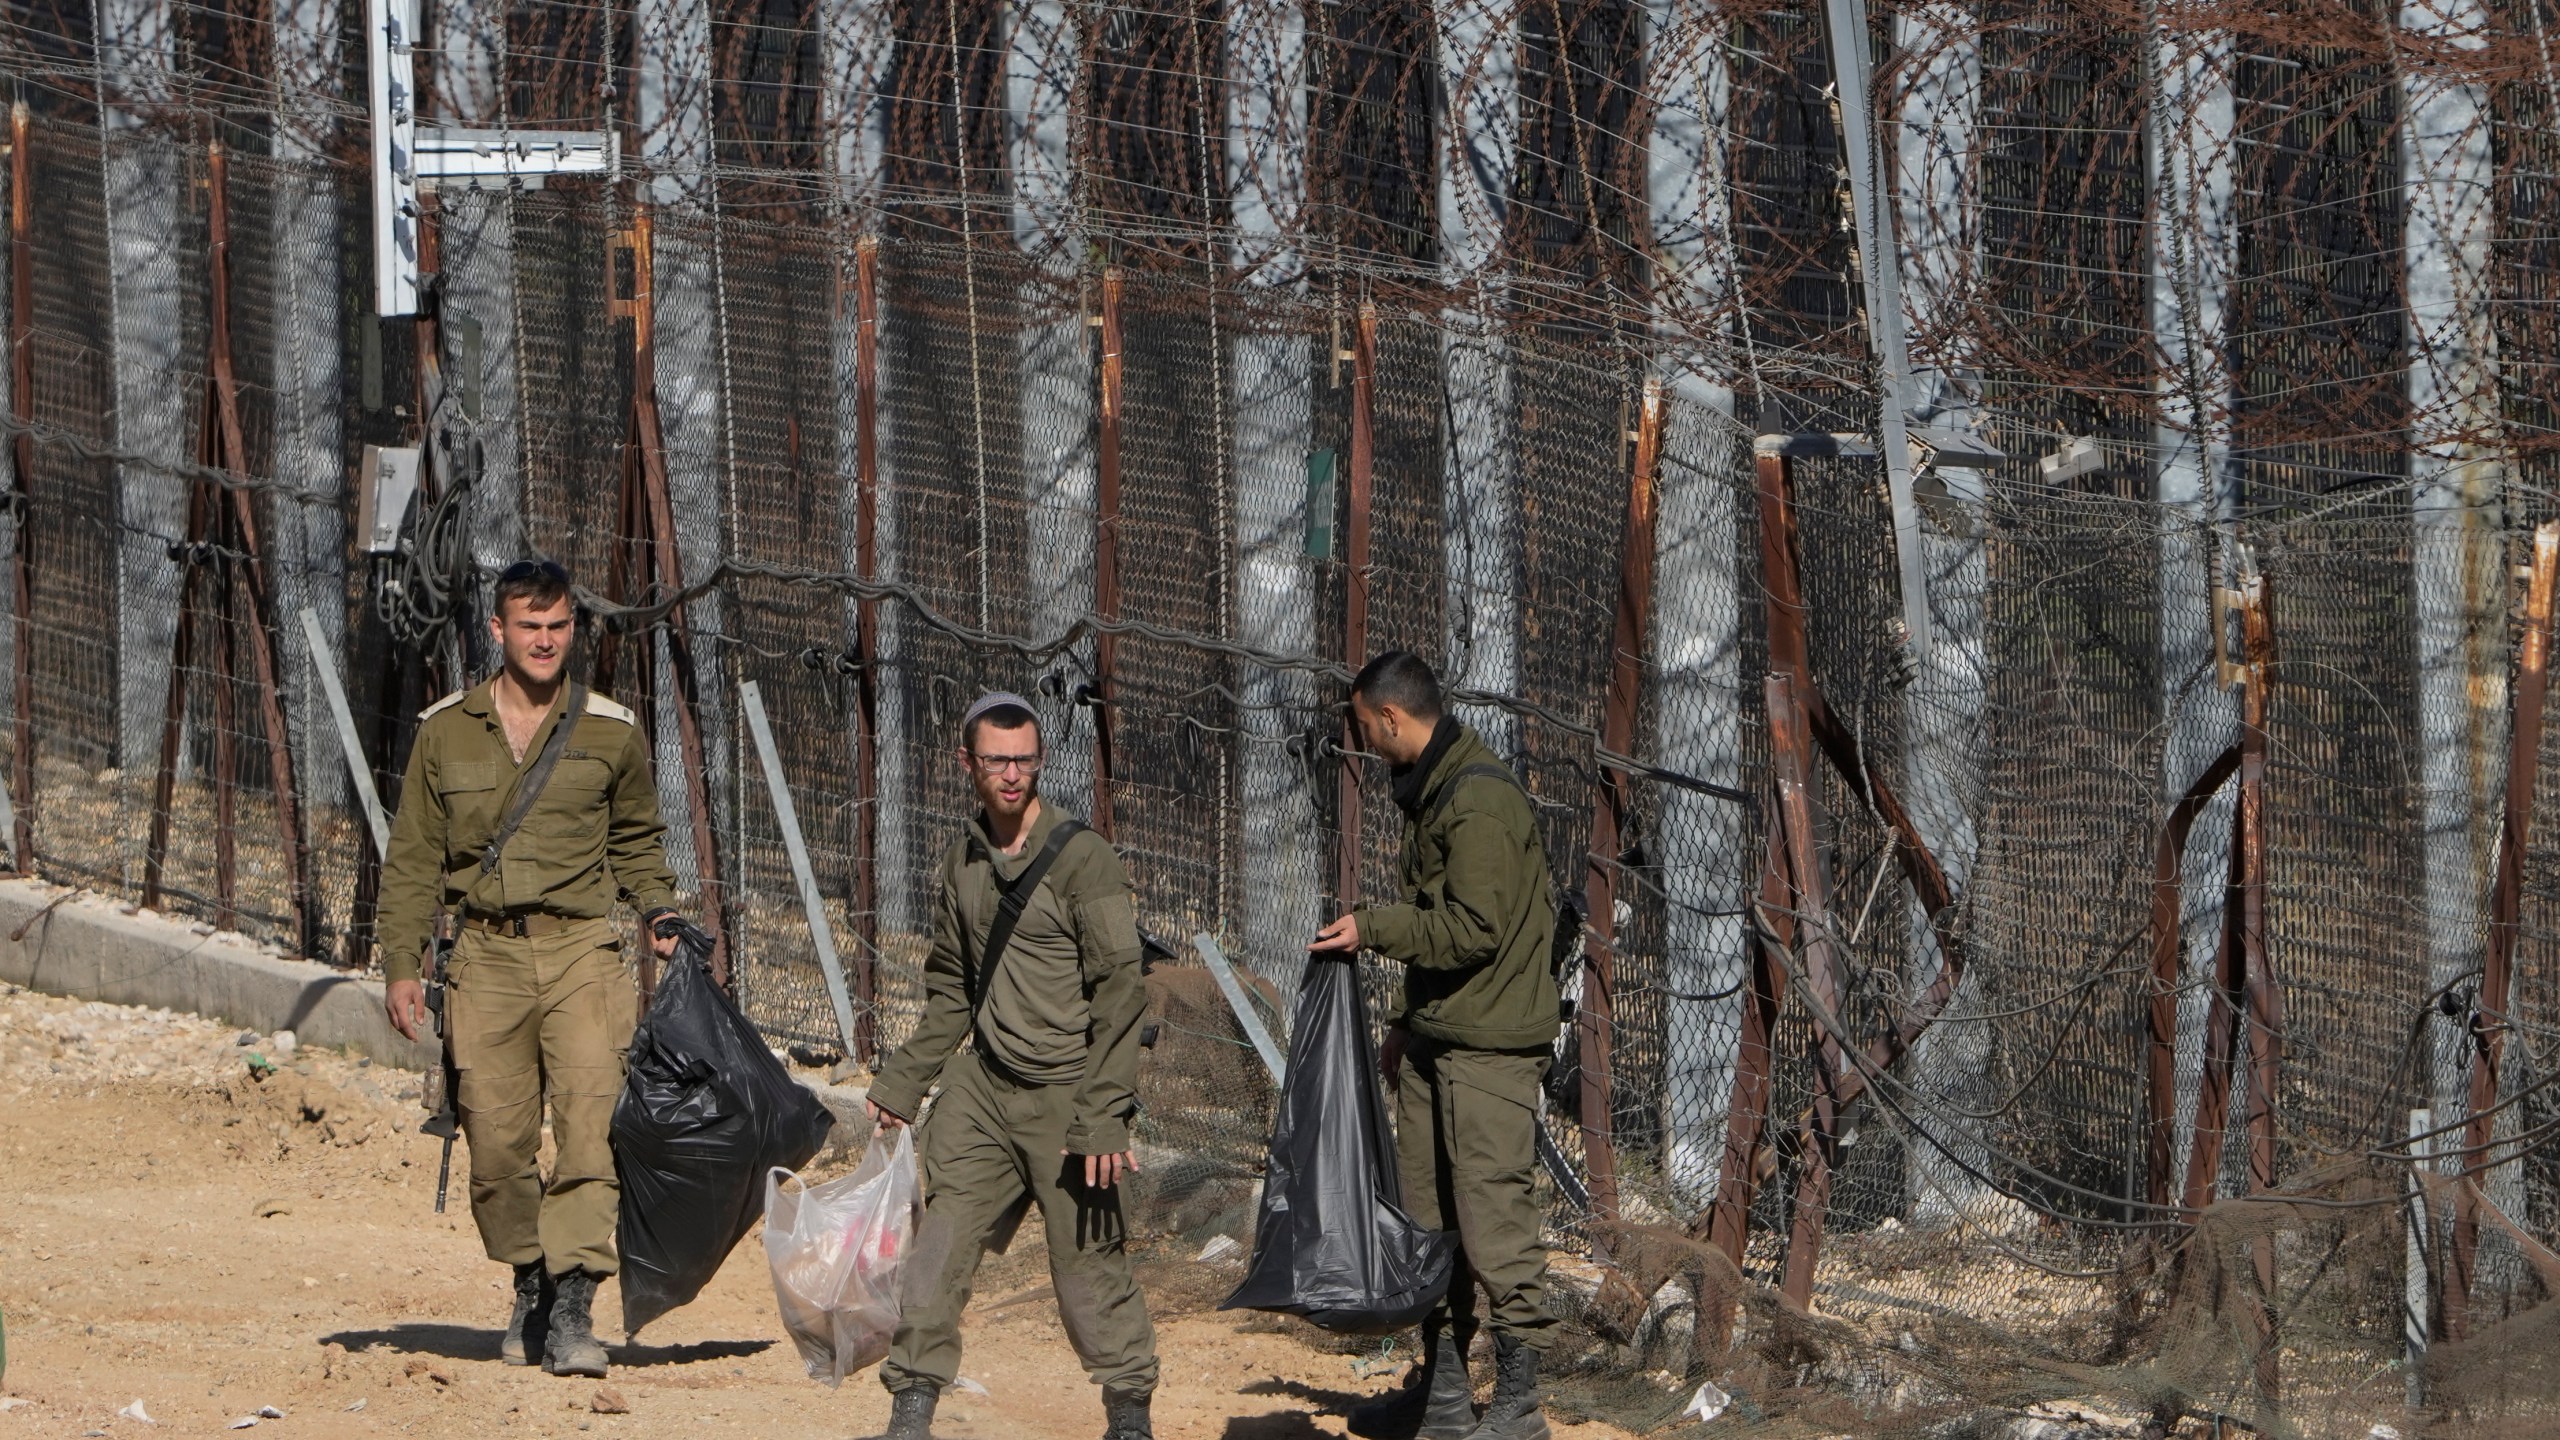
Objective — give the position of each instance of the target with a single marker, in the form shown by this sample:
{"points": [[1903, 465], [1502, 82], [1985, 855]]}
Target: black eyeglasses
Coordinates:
{"points": [[524, 570]]}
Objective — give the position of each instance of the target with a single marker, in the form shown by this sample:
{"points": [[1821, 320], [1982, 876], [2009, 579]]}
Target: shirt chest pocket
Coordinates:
{"points": [[573, 803], [469, 790]]}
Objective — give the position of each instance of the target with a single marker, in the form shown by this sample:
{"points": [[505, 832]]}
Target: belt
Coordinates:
{"points": [[521, 924]]}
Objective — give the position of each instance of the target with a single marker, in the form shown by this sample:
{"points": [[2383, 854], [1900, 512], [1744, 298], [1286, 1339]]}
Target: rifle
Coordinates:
{"points": [[444, 1121]]}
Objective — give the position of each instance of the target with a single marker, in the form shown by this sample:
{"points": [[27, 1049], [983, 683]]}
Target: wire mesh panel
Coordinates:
{"points": [[1035, 360]]}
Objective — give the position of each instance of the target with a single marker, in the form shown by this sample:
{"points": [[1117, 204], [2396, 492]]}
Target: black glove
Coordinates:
{"points": [[664, 923]]}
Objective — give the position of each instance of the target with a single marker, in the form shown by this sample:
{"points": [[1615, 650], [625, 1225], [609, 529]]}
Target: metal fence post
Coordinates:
{"points": [[866, 780], [1106, 549], [2489, 1021], [1594, 1017], [22, 388], [1355, 592]]}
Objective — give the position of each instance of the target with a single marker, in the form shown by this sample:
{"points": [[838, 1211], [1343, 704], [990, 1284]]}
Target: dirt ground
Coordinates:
{"points": [[176, 1231]]}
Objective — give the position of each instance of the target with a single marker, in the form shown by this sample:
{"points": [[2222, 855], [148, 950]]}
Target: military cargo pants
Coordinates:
{"points": [[990, 1147], [1466, 1151], [530, 1015]]}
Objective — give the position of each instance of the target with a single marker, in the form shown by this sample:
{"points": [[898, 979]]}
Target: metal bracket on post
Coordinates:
{"points": [[787, 819]]}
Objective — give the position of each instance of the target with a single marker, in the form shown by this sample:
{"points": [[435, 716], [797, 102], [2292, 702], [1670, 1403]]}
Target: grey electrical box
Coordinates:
{"points": [[386, 489]]}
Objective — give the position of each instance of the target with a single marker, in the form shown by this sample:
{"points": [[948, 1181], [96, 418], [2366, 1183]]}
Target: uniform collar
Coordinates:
{"points": [[1415, 781], [1041, 824]]}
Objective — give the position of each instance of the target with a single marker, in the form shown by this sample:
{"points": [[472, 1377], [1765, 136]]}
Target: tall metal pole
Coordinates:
{"points": [[22, 388], [1355, 587], [1594, 1017], [1106, 549], [2489, 1019], [866, 767]]}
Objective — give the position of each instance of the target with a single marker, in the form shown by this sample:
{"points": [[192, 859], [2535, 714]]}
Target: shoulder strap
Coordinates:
{"points": [[1009, 908], [1449, 788], [529, 788]]}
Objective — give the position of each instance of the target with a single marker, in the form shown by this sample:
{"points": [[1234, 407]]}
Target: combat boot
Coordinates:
{"points": [[1513, 1415], [911, 1413], [1125, 1417], [573, 1348], [1434, 1403], [532, 1315]]}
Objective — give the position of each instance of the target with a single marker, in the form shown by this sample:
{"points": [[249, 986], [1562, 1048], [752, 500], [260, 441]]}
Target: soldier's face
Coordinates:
{"points": [[534, 643], [1004, 766]]}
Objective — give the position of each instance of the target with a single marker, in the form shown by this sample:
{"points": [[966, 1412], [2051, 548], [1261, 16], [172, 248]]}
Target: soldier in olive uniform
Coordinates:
{"points": [[1037, 1110], [539, 997], [1467, 1058]]}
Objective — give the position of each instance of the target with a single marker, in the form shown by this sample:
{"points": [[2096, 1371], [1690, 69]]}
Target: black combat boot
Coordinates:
{"points": [[1513, 1415], [573, 1348], [1434, 1403], [1125, 1416], [911, 1413], [532, 1315]]}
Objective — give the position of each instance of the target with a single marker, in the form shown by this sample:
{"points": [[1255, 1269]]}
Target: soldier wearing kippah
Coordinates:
{"points": [[1035, 962]]}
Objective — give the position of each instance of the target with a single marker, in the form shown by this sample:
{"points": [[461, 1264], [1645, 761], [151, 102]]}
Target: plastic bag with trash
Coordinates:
{"points": [[705, 1111], [836, 1249], [1333, 1243]]}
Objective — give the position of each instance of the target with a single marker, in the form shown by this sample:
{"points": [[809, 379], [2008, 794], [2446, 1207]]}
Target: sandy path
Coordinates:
{"points": [[136, 1157]]}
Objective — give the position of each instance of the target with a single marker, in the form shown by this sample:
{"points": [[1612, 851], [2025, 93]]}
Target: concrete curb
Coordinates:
{"points": [[89, 947]]}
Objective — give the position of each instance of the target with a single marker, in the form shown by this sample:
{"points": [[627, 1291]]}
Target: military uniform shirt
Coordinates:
{"points": [[593, 835]]}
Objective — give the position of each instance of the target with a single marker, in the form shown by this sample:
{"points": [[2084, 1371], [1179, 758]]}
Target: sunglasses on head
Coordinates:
{"points": [[524, 570]]}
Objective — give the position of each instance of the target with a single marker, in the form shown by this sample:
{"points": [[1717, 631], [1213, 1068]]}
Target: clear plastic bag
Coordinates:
{"points": [[836, 1250]]}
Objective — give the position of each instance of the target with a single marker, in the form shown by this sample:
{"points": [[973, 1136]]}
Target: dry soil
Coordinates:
{"points": [[184, 1227]]}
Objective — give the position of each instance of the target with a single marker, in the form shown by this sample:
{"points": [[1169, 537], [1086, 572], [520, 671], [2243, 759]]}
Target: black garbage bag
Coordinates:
{"points": [[1333, 1243], [705, 1112]]}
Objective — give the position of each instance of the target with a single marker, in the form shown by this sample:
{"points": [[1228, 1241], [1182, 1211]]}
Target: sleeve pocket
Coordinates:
{"points": [[1108, 925]]}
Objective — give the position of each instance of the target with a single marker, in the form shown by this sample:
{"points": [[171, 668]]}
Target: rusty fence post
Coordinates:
{"points": [[866, 642], [1595, 1017], [1355, 591], [2489, 1019], [2168, 957], [22, 446], [1106, 549], [1781, 925], [650, 528], [222, 544], [2247, 1015]]}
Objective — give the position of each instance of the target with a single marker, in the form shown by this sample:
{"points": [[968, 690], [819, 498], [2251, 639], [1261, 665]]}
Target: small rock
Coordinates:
{"points": [[244, 1422], [356, 1406], [285, 1043], [608, 1401], [967, 1386], [202, 927], [245, 1037], [269, 1209], [310, 1284], [135, 1411], [12, 1403], [846, 1071], [270, 1412], [1219, 1248]]}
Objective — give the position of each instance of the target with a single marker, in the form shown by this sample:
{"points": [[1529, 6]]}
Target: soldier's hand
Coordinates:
{"points": [[405, 1001], [1342, 935], [1101, 1172], [1391, 1053], [884, 1119]]}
